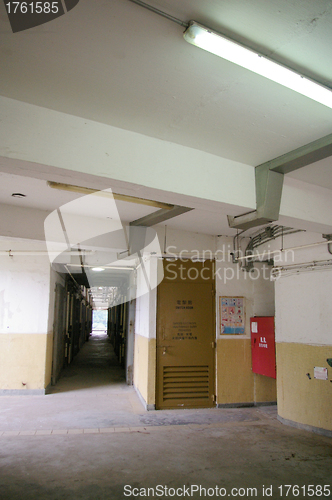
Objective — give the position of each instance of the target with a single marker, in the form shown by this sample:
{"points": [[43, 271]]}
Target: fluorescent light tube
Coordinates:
{"points": [[217, 44]]}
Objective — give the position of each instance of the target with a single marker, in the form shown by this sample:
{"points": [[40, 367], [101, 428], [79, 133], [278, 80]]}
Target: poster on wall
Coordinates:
{"points": [[231, 315]]}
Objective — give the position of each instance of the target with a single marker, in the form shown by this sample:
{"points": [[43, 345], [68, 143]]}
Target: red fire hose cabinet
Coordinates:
{"points": [[263, 353]]}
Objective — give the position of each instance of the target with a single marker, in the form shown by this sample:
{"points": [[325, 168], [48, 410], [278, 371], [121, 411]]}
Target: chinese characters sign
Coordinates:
{"points": [[184, 304], [184, 330]]}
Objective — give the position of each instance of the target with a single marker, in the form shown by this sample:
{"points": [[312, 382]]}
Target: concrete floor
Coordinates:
{"points": [[91, 437]]}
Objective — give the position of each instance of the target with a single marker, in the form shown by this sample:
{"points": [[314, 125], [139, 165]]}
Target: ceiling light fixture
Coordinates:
{"points": [[217, 44], [98, 269], [108, 194]]}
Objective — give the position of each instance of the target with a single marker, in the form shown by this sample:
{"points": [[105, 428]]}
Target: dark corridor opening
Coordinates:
{"points": [[94, 367], [91, 332]]}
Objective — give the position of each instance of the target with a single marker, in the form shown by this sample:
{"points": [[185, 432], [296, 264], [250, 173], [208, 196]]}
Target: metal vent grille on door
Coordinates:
{"points": [[185, 382]]}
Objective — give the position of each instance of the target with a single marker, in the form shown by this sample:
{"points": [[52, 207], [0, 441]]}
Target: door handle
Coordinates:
{"points": [[164, 348]]}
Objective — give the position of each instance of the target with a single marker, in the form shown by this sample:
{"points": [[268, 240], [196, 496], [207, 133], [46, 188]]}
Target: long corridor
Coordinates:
{"points": [[91, 437], [95, 367]]}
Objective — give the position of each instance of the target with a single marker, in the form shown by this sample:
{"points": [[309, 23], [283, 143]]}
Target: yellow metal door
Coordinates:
{"points": [[185, 338]]}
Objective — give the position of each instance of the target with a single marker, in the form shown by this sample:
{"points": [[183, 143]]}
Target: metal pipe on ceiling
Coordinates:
{"points": [[160, 13], [288, 270], [270, 252]]}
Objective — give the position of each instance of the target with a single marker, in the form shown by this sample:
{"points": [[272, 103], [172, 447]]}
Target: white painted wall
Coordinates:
{"points": [[146, 303], [19, 222], [24, 287], [174, 241], [302, 292], [264, 293], [303, 308], [231, 281], [303, 205], [256, 287]]}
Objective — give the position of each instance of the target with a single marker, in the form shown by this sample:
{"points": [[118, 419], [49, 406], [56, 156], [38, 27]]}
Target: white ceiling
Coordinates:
{"points": [[39, 195], [120, 64]]}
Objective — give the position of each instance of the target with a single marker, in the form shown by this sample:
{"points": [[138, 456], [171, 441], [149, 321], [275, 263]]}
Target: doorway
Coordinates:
{"points": [[99, 321], [186, 336]]}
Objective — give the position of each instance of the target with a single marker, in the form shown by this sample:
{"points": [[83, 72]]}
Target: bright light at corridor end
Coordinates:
{"points": [[215, 43]]}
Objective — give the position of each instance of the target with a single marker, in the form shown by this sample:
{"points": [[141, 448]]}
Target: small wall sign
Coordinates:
{"points": [[320, 373]]}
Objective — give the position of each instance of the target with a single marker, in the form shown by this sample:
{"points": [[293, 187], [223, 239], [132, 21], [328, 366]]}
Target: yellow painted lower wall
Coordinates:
{"points": [[265, 389], [48, 359], [25, 359], [236, 383], [300, 399], [145, 368]]}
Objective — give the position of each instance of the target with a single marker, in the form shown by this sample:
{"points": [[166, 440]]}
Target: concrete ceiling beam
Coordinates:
{"points": [[160, 216], [269, 177]]}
